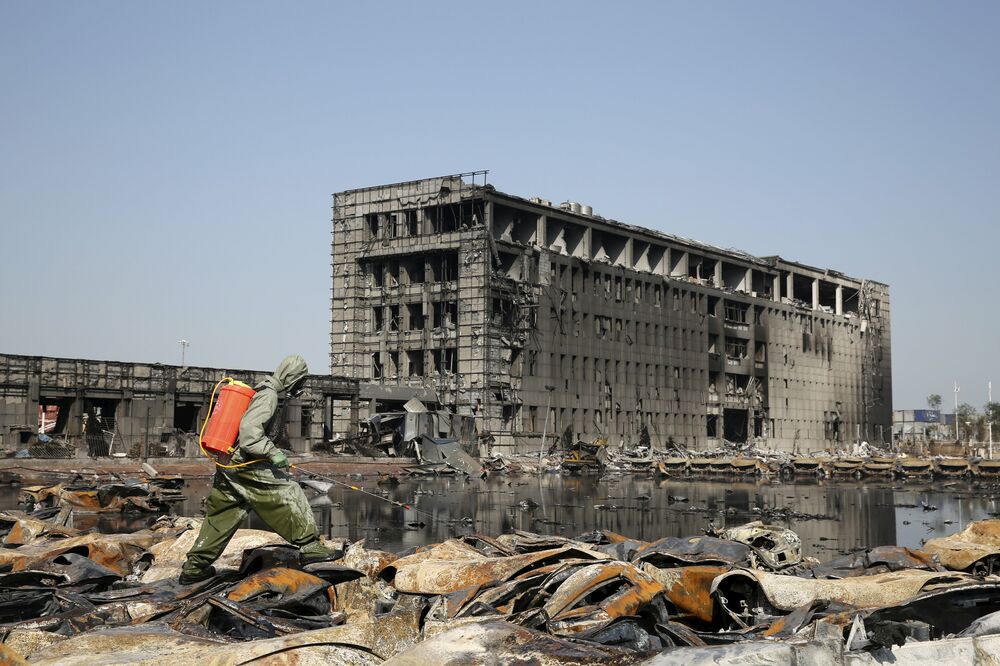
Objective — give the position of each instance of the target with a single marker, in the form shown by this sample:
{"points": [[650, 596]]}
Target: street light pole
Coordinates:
{"points": [[989, 408], [958, 437], [184, 345]]}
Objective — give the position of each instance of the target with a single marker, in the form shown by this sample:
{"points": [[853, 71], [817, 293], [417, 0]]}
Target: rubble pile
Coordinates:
{"points": [[69, 597]]}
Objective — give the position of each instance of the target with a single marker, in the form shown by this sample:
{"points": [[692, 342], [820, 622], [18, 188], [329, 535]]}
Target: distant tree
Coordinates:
{"points": [[934, 401], [971, 423], [991, 416]]}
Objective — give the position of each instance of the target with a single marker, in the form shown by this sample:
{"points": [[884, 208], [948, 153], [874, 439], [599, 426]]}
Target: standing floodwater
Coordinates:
{"points": [[842, 516], [831, 517]]}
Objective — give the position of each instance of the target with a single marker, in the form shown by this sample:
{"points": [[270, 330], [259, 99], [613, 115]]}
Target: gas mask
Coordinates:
{"points": [[296, 389]]}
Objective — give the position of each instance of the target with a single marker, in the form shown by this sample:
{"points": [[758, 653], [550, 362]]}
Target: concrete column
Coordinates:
{"points": [[32, 402], [776, 289], [628, 253], [718, 274], [790, 285], [815, 294], [588, 244], [540, 230], [840, 300], [749, 280], [665, 265], [682, 265]]}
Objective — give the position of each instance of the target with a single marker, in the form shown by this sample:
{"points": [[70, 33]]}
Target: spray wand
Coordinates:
{"points": [[361, 490]]}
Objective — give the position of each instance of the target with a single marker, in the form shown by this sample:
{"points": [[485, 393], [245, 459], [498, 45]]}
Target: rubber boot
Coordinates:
{"points": [[190, 578]]}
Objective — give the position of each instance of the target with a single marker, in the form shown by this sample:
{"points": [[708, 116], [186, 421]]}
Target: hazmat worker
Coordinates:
{"points": [[264, 486]]}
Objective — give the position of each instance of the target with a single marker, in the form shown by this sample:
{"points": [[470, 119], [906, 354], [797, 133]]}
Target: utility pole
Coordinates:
{"points": [[184, 345], [989, 408]]}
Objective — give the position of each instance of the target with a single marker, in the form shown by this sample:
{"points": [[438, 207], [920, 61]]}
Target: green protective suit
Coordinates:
{"points": [[268, 490]]}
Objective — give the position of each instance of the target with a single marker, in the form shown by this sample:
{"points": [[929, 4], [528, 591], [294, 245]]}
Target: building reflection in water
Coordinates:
{"points": [[858, 515]]}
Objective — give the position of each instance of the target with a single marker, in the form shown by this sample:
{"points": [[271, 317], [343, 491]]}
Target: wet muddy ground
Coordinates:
{"points": [[842, 516]]}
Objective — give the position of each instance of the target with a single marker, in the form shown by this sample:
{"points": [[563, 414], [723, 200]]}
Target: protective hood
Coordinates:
{"points": [[290, 370]]}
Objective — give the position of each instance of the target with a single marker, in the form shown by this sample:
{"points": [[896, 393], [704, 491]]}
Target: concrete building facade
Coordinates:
{"points": [[91, 408], [544, 319]]}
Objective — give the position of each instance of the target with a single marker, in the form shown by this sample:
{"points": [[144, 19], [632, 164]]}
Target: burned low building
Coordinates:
{"points": [[64, 407], [550, 320]]}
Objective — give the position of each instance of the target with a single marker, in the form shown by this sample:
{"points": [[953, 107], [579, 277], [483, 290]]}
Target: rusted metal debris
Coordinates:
{"points": [[975, 549], [154, 496], [86, 598]]}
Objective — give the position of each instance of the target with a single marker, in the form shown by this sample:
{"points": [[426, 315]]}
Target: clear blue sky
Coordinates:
{"points": [[166, 168]]}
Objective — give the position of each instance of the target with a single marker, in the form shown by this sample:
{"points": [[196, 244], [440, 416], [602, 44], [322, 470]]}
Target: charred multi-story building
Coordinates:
{"points": [[540, 318]]}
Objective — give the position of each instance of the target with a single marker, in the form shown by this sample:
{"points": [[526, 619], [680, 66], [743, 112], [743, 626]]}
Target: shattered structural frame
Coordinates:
{"points": [[502, 307]]}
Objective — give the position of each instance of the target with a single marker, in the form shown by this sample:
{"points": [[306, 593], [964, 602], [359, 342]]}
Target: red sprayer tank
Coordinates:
{"points": [[224, 424]]}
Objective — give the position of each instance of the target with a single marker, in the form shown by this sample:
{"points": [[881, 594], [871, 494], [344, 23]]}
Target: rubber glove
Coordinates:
{"points": [[279, 459]]}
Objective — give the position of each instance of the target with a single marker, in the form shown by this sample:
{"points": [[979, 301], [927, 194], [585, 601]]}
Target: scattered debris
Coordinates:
{"points": [[68, 597]]}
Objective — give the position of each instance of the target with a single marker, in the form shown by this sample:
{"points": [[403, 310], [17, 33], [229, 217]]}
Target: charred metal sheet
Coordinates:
{"points": [[499, 642], [745, 593], [602, 537], [118, 552], [19, 529], [676, 551], [454, 566], [520, 541], [26, 642], [595, 595], [289, 590], [384, 635], [975, 549], [486, 545], [689, 590], [369, 562], [77, 569], [756, 652], [333, 572], [628, 633], [364, 597], [154, 644], [107, 498], [948, 611], [986, 625], [622, 550], [880, 559]]}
